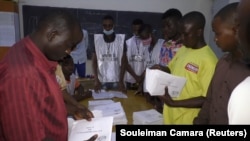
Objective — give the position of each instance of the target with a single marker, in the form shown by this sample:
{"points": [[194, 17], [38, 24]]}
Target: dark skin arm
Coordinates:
{"points": [[122, 73], [97, 84], [75, 109], [93, 138], [80, 90], [140, 88], [195, 102], [81, 94], [162, 68], [129, 69]]}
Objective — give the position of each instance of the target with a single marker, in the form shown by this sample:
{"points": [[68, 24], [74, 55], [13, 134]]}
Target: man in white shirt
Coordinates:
{"points": [[107, 57], [79, 55], [135, 54]]}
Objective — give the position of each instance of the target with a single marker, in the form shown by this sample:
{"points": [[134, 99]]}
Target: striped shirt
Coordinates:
{"points": [[31, 102]]}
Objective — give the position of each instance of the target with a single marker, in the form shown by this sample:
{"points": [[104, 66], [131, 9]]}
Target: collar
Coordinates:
{"points": [[39, 58]]}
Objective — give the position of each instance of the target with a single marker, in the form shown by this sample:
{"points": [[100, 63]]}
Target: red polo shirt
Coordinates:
{"points": [[31, 102]]}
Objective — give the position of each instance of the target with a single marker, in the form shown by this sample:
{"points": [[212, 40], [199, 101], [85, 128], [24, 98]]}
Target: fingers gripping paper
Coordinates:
{"points": [[156, 81]]}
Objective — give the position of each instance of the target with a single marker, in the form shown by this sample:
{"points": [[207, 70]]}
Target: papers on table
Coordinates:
{"points": [[114, 110], [99, 102], [147, 117], [108, 94], [156, 81], [81, 130], [113, 136]]}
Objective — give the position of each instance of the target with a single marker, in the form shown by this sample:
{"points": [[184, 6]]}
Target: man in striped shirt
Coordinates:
{"points": [[31, 102]]}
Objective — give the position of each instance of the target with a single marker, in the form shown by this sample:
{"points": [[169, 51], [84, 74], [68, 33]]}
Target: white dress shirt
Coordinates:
{"points": [[79, 54], [239, 102]]}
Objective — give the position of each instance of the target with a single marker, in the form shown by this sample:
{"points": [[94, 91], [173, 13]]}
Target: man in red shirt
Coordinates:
{"points": [[31, 103]]}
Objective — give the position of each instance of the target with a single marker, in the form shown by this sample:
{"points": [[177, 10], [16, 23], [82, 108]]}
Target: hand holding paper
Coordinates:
{"points": [[156, 82], [167, 99], [98, 128]]}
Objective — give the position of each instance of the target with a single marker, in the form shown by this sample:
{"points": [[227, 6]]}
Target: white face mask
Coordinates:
{"points": [[108, 32], [147, 42]]}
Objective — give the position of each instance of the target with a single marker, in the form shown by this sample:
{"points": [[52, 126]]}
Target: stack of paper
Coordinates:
{"points": [[103, 94], [156, 81], [93, 103], [80, 130], [151, 117], [112, 109]]}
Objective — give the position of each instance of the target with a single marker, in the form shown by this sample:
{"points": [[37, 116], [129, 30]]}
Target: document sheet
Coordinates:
{"points": [[80, 130], [156, 81], [108, 94]]}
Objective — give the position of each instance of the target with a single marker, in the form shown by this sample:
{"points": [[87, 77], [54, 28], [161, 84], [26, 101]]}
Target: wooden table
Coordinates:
{"points": [[131, 104]]}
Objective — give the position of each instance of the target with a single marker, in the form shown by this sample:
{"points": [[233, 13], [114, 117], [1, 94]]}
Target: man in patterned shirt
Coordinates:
{"points": [[32, 106]]}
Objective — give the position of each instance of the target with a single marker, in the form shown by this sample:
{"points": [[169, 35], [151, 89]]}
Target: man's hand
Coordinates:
{"points": [[162, 68], [167, 98], [80, 90], [93, 138], [140, 89], [156, 66], [97, 86], [122, 87], [83, 113]]}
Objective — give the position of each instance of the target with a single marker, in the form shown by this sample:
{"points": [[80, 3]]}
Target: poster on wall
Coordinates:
{"points": [[9, 27]]}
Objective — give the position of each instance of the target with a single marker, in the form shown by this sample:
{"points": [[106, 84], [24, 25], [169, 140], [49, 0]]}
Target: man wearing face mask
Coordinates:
{"points": [[107, 57], [135, 55]]}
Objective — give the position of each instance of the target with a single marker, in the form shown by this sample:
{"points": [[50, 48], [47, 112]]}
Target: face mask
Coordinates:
{"points": [[108, 32], [147, 42]]}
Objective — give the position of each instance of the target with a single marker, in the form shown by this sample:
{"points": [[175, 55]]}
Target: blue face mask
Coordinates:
{"points": [[106, 32]]}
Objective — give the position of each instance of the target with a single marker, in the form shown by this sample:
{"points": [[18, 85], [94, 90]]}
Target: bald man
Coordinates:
{"points": [[32, 106]]}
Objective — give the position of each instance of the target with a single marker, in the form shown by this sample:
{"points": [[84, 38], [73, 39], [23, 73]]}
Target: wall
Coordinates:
{"points": [[127, 5], [91, 21], [9, 20], [158, 6], [231, 1]]}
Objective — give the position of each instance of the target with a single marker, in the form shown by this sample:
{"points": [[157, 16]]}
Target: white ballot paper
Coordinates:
{"points": [[113, 109], [156, 81], [82, 130], [100, 102], [113, 137], [150, 116], [103, 94], [93, 103]]}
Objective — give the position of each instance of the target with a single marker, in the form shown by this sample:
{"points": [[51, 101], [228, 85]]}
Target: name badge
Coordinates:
{"points": [[109, 57], [106, 55], [138, 58], [150, 63]]}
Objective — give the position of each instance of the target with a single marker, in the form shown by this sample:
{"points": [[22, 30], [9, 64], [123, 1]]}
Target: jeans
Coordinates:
{"points": [[80, 69]]}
